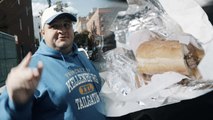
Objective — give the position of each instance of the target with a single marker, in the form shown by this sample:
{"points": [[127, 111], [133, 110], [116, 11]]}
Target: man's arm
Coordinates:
{"points": [[16, 101]]}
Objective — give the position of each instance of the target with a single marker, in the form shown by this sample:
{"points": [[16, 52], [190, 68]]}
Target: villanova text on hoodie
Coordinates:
{"points": [[68, 90]]}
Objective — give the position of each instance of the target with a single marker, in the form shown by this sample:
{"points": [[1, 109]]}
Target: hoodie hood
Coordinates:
{"points": [[73, 56], [48, 51]]}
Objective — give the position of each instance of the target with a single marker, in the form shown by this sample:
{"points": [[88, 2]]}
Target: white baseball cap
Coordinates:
{"points": [[53, 12]]}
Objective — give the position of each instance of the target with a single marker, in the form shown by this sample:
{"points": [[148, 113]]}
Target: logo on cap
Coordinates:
{"points": [[58, 8]]}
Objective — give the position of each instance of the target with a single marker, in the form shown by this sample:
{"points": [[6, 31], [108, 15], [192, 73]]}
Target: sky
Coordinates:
{"points": [[82, 7]]}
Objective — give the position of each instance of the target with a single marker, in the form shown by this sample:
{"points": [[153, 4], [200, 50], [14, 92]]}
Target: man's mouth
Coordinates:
{"points": [[62, 37]]}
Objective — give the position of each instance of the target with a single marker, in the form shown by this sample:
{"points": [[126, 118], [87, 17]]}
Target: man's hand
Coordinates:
{"points": [[22, 81]]}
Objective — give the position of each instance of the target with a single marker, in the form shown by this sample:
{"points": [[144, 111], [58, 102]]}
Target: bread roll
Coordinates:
{"points": [[159, 56]]}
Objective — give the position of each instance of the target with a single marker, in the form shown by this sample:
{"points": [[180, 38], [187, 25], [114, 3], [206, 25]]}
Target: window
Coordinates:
{"points": [[26, 10], [102, 19], [102, 28], [84, 27], [28, 30], [20, 23]]}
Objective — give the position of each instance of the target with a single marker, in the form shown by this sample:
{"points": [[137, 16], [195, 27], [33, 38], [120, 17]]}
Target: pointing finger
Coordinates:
{"points": [[40, 66], [25, 62], [38, 70]]}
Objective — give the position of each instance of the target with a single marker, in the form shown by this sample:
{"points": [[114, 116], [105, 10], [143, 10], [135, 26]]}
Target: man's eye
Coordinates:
{"points": [[67, 25], [55, 26]]}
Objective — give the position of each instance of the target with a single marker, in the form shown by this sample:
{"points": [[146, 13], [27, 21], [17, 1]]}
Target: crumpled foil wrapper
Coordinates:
{"points": [[196, 84], [143, 14], [120, 66], [122, 94]]}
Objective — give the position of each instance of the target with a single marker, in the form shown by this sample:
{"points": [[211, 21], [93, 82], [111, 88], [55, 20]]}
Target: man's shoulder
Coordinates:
{"points": [[34, 60]]}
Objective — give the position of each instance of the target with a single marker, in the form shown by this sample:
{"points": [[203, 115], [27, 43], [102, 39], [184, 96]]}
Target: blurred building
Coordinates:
{"points": [[99, 19], [16, 19], [102, 19], [98, 23], [81, 24]]}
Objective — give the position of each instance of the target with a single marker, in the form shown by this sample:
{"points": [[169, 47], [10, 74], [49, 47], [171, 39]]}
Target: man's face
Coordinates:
{"points": [[59, 34]]}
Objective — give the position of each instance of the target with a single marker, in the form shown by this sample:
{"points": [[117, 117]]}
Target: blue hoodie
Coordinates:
{"points": [[68, 89]]}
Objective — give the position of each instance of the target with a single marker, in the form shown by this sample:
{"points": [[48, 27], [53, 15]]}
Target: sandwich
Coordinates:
{"points": [[159, 56]]}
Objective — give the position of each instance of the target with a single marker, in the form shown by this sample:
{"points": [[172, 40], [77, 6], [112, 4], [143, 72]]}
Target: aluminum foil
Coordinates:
{"points": [[196, 84], [143, 14], [121, 72], [122, 94]]}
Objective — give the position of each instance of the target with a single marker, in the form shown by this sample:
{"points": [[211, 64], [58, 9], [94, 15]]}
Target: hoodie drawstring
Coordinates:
{"points": [[64, 60]]}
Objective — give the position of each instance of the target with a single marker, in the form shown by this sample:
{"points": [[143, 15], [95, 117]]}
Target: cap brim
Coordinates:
{"points": [[70, 16]]}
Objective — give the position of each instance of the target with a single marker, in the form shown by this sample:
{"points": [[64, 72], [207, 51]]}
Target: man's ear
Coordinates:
{"points": [[42, 32]]}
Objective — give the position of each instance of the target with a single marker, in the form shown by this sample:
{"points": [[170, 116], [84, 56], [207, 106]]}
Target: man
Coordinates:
{"points": [[60, 83]]}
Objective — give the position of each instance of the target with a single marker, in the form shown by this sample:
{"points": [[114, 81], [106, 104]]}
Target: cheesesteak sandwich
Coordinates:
{"points": [[159, 56]]}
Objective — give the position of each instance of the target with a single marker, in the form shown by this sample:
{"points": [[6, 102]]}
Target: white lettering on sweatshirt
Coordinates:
{"points": [[87, 101], [81, 78]]}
